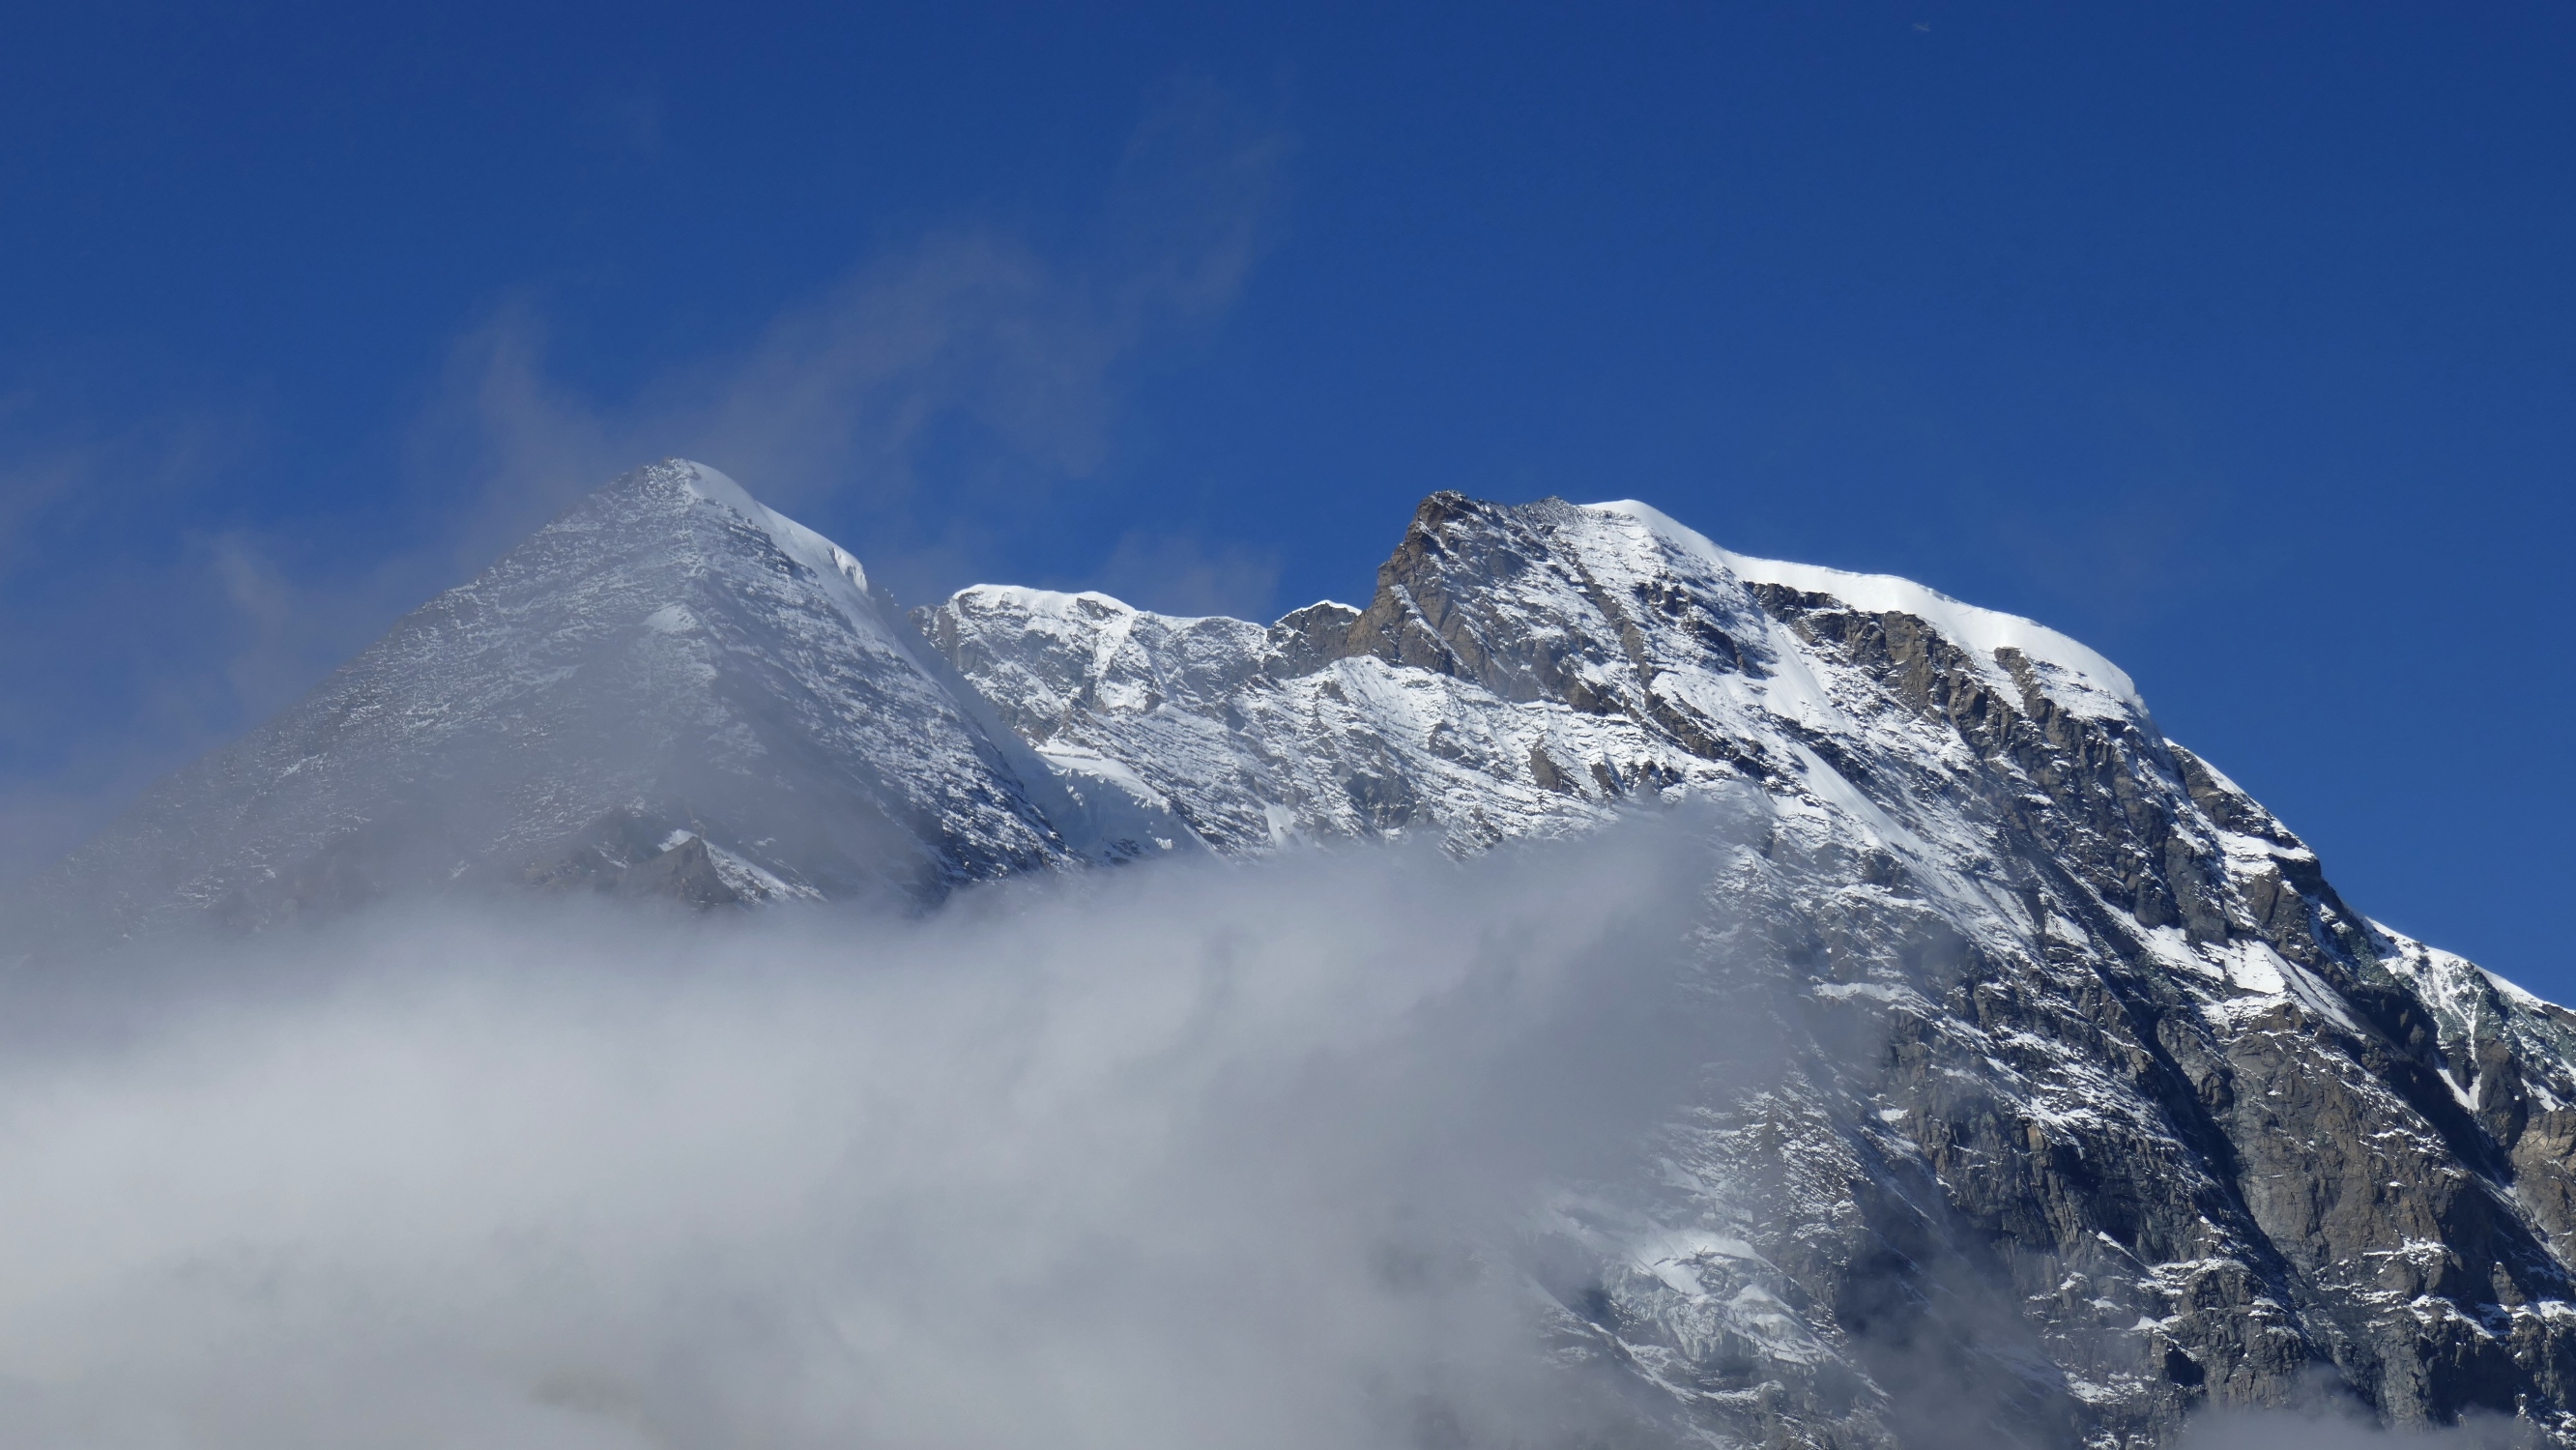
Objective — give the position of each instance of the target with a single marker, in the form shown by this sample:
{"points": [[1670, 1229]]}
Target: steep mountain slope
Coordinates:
{"points": [[2110, 1105], [669, 689]]}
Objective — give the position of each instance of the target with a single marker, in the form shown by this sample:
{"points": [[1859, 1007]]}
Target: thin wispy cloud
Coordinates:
{"points": [[934, 397], [930, 402], [1180, 574]]}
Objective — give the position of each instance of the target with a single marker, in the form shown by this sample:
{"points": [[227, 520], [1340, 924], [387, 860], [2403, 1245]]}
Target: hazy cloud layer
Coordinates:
{"points": [[2342, 1427], [1202, 1156], [1188, 1155], [113, 614]]}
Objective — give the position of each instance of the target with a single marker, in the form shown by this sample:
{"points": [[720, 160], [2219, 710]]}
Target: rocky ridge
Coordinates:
{"points": [[2149, 1117]]}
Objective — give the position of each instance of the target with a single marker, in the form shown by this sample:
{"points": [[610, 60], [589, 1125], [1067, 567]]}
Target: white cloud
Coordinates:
{"points": [[1181, 1157]]}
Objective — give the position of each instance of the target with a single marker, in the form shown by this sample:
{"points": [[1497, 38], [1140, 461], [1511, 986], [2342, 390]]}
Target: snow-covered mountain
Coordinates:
{"points": [[2160, 1119], [2101, 1103], [669, 689]]}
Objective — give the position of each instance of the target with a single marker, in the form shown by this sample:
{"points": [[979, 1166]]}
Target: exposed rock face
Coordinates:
{"points": [[2096, 1105]]}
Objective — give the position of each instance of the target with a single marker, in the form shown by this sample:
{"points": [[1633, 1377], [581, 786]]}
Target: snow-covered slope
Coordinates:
{"points": [[668, 689], [1558, 668]]}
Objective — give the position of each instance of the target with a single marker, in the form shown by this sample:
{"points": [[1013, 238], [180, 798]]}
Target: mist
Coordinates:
{"points": [[1323, 1149], [1191, 1155]]}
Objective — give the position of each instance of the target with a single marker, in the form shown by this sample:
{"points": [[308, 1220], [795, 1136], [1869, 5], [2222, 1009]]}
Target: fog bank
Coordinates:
{"points": [[1193, 1156], [1186, 1155]]}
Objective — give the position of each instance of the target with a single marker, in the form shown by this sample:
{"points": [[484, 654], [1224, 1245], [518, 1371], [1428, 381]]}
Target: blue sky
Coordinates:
{"points": [[2234, 340]]}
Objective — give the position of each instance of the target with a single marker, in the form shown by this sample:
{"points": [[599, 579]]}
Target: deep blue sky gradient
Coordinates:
{"points": [[2233, 340]]}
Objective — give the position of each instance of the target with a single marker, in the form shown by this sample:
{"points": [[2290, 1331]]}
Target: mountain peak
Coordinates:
{"points": [[708, 486], [666, 656]]}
